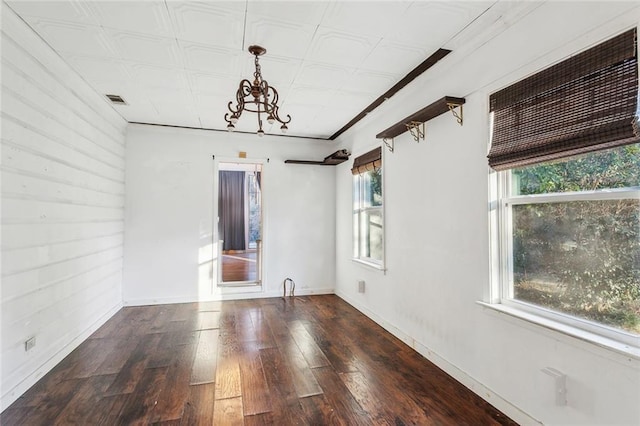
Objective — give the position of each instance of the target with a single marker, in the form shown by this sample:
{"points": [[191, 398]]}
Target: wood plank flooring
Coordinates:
{"points": [[297, 361], [239, 266]]}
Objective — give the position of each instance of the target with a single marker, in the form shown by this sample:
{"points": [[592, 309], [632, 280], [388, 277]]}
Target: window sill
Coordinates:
{"points": [[583, 335], [369, 264]]}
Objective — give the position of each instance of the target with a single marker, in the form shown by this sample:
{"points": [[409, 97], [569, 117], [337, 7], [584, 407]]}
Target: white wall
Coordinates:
{"points": [[62, 176], [170, 214], [437, 236]]}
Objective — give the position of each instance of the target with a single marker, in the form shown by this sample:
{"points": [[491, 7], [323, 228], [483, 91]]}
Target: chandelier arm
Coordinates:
{"points": [[233, 113], [275, 108], [250, 109], [274, 95], [238, 108], [244, 90], [277, 116], [264, 91]]}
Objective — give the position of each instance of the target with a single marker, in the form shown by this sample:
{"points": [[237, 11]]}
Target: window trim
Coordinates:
{"points": [[376, 266], [614, 345], [501, 291], [368, 261], [558, 197]]}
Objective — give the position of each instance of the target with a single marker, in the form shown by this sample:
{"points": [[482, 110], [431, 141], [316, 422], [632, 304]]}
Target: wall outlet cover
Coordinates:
{"points": [[29, 343]]}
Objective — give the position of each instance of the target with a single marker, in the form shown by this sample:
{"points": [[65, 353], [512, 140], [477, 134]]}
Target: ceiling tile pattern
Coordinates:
{"points": [[127, 16], [180, 62], [214, 23]]}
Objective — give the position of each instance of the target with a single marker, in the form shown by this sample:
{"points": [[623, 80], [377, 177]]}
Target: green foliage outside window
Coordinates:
{"points": [[375, 179], [580, 257]]}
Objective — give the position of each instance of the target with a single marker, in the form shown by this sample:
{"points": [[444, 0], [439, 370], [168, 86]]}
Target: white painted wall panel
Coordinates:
{"points": [[21, 307], [437, 236], [62, 181], [67, 325], [170, 217], [53, 302], [32, 93], [33, 280], [21, 260], [70, 103], [19, 210], [23, 183], [30, 235], [21, 137], [32, 113]]}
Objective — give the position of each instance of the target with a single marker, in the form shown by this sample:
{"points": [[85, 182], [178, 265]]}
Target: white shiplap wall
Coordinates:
{"points": [[62, 171]]}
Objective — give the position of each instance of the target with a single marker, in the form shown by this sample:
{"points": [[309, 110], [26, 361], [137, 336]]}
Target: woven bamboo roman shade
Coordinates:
{"points": [[586, 103], [366, 162]]}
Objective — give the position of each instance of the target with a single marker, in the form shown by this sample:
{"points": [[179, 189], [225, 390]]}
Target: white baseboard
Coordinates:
{"points": [[16, 391], [162, 301], [243, 294], [472, 384]]}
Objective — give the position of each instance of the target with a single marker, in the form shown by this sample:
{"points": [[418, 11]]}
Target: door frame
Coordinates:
{"points": [[260, 272]]}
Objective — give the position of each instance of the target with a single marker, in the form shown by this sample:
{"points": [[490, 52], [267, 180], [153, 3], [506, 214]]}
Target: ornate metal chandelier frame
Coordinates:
{"points": [[257, 97]]}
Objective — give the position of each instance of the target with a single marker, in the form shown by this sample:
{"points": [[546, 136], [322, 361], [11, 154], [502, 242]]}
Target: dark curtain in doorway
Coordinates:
{"points": [[231, 210]]}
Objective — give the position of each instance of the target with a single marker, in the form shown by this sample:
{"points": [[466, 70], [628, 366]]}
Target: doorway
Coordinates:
{"points": [[239, 223]]}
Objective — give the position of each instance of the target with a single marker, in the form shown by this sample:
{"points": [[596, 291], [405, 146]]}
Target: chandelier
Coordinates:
{"points": [[256, 97]]}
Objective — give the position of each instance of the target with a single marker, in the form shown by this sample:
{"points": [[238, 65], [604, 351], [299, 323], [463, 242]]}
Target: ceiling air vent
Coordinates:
{"points": [[116, 99]]}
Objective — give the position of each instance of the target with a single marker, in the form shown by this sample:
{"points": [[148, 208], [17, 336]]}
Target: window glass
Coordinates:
{"points": [[368, 236], [580, 258], [613, 168], [255, 217], [356, 192], [356, 234], [578, 254], [372, 188], [371, 234]]}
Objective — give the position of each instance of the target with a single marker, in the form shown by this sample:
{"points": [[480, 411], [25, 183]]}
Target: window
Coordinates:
{"points": [[565, 145], [368, 235], [573, 236]]}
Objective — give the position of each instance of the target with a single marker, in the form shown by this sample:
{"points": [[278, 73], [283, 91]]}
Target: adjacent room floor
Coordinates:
{"points": [[305, 361], [239, 266]]}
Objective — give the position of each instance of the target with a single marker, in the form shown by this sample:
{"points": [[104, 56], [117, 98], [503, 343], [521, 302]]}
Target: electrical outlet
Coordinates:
{"points": [[30, 343], [361, 286]]}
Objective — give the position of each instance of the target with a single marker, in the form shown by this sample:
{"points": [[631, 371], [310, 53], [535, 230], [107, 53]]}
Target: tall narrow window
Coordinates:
{"points": [[565, 145], [368, 218]]}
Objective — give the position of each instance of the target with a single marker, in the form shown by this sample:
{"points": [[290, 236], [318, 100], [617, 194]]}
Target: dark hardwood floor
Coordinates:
{"points": [[239, 266], [297, 361]]}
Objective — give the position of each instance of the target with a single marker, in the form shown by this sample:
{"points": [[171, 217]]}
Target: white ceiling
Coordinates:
{"points": [[179, 62]]}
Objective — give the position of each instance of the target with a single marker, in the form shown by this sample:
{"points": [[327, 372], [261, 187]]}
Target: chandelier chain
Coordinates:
{"points": [[258, 73]]}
